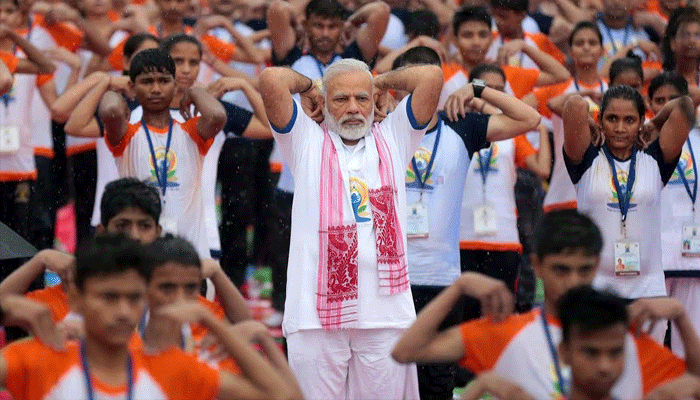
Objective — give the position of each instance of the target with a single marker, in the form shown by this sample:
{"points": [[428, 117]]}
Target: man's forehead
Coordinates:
{"points": [[153, 73], [350, 82]]}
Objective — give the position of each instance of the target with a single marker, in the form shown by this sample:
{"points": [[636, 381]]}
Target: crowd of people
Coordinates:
{"points": [[405, 167]]}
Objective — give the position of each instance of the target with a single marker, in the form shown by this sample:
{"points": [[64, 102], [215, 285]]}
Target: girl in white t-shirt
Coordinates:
{"points": [[619, 185]]}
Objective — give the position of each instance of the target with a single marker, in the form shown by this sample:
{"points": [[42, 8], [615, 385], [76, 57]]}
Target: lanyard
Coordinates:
{"points": [[485, 167], [553, 351], [422, 180], [623, 199], [162, 178], [610, 36], [322, 67], [88, 379], [694, 194], [521, 53], [578, 89]]}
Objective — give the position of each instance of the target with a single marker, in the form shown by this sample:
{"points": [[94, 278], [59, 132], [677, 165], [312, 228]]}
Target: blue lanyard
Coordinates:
{"points": [[161, 177], [578, 89], [623, 199], [553, 351], [612, 40], [322, 67], [485, 167], [88, 379], [694, 194], [422, 180]]}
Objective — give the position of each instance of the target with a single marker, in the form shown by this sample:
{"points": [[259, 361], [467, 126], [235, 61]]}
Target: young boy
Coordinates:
{"points": [[129, 207], [111, 279], [167, 153], [568, 246]]}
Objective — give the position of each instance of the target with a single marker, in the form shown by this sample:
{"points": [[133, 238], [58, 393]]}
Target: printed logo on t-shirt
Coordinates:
{"points": [[359, 197], [422, 157], [171, 165], [686, 165], [613, 199], [8, 97], [483, 154]]}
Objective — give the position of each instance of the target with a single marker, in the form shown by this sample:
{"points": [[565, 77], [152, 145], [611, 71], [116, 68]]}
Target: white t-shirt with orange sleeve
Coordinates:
{"points": [[517, 348], [520, 59], [38, 372], [183, 208]]}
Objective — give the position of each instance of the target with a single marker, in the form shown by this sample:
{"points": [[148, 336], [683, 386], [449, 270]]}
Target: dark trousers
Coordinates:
{"points": [[501, 265], [84, 165], [529, 196], [44, 205], [436, 381], [279, 247], [15, 208], [246, 197]]}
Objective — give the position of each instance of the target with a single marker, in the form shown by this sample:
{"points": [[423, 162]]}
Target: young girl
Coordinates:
{"points": [[585, 44], [619, 185], [681, 44]]}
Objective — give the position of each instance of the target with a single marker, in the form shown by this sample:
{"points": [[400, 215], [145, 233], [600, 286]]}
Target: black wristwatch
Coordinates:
{"points": [[478, 85]]}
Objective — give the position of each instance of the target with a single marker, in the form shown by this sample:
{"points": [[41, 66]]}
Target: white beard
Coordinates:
{"points": [[353, 132]]}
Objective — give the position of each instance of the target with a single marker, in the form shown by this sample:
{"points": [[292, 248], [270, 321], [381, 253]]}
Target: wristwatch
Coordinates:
{"points": [[478, 85]]}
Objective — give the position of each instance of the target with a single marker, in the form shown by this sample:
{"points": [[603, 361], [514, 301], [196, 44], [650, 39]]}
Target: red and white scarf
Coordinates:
{"points": [[336, 300]]}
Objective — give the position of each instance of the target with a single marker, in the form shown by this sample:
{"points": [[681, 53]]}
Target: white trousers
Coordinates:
{"points": [[353, 364], [687, 291]]}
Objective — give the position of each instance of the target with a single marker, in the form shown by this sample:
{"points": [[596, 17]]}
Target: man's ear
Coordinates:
{"points": [[563, 351], [100, 229]]}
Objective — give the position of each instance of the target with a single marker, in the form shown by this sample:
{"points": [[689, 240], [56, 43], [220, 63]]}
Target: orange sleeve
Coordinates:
{"points": [[10, 60], [43, 79], [190, 126], [546, 93], [116, 56], [118, 150], [53, 297], [657, 363], [64, 34], [523, 150], [484, 341], [449, 70], [212, 306], [521, 80], [546, 45], [182, 376], [222, 50]]}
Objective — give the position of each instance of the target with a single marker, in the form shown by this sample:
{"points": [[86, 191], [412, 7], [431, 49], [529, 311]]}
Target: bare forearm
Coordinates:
{"points": [[573, 13], [577, 134], [691, 343], [256, 101], [231, 299], [45, 65], [442, 10], [424, 82], [113, 113], [254, 54], [512, 107], [426, 326], [19, 281], [544, 154], [547, 63], [67, 102], [213, 114], [278, 361], [85, 110], [94, 41]]}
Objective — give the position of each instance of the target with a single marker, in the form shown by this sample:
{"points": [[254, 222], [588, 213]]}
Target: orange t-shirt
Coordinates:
{"points": [[55, 298]]}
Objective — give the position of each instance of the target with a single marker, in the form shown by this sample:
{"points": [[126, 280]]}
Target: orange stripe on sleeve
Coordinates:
{"points": [[43, 79], [222, 50], [64, 35], [10, 60], [53, 297], [116, 56], [546, 45], [484, 341], [118, 150], [546, 93], [657, 363], [190, 126], [449, 70], [523, 150], [521, 80]]}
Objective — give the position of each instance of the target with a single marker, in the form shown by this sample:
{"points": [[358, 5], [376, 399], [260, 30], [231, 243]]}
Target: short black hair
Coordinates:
{"points": [[630, 63], [671, 78], [567, 231], [326, 9], [135, 41], [170, 42], [151, 60], [585, 25], [590, 310], [466, 14], [129, 192], [423, 23], [515, 5], [109, 254], [626, 93], [171, 248], [479, 70], [416, 56]]}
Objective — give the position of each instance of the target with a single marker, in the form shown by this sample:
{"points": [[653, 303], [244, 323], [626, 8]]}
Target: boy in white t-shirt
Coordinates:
{"points": [[140, 149]]}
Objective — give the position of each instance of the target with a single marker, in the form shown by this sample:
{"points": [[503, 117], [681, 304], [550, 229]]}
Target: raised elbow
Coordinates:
{"points": [[575, 103], [47, 68], [6, 83], [533, 120], [401, 356]]}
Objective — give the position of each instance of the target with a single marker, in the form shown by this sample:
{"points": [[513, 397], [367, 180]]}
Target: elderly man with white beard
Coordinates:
{"points": [[348, 293]]}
